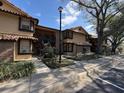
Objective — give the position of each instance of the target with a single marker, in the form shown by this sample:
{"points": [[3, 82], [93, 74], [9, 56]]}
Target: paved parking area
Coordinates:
{"points": [[111, 81], [70, 79]]}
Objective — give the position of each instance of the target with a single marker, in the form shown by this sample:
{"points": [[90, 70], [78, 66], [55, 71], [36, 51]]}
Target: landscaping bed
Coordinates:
{"points": [[51, 59], [15, 70], [83, 57], [53, 63]]}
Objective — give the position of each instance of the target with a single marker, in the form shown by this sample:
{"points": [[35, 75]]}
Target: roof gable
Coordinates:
{"points": [[80, 29], [7, 6]]}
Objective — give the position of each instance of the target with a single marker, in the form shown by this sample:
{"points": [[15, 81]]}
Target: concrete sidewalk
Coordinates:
{"points": [[64, 80]]}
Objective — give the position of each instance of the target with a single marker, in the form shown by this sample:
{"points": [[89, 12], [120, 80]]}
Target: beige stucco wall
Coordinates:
{"points": [[10, 24], [6, 51], [18, 57], [78, 38], [78, 49]]}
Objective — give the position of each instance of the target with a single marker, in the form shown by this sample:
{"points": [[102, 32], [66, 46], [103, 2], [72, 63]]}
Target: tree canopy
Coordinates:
{"points": [[115, 34], [102, 11]]}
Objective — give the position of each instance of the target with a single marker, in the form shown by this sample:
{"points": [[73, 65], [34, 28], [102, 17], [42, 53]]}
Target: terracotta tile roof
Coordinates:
{"points": [[14, 37], [11, 12], [15, 7], [46, 28], [87, 43]]}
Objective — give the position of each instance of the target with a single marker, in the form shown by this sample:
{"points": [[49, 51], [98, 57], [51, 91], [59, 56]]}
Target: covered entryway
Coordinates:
{"points": [[44, 35]]}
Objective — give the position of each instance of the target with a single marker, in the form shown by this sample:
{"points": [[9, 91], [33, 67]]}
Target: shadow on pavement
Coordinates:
{"points": [[115, 76]]}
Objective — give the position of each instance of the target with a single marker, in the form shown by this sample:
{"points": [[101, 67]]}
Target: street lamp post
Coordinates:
{"points": [[60, 11]]}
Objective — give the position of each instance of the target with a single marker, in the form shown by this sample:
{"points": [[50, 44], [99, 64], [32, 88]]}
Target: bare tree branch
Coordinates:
{"points": [[112, 15], [90, 12], [81, 3], [109, 40], [95, 1]]}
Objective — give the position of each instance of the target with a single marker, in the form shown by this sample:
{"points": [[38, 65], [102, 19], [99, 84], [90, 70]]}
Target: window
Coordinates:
{"points": [[26, 24], [79, 29], [1, 3], [87, 37], [24, 47], [68, 47], [68, 34], [86, 49]]}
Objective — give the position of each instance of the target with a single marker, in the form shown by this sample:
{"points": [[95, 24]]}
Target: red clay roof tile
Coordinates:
{"points": [[14, 37]]}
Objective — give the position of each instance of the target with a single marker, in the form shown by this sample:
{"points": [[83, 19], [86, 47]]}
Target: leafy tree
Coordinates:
{"points": [[102, 11], [116, 32]]}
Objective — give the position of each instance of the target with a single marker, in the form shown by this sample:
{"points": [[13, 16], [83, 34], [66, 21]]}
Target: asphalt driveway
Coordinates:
{"points": [[111, 81]]}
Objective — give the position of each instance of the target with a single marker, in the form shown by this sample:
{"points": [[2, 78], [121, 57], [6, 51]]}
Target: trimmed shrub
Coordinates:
{"points": [[15, 70], [48, 51], [81, 57], [53, 63]]}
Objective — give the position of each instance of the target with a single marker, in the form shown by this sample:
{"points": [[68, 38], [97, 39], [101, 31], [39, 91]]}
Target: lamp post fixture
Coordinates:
{"points": [[60, 11]]}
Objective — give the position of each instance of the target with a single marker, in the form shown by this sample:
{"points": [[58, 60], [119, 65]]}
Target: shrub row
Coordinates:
{"points": [[53, 63], [15, 70], [83, 57]]}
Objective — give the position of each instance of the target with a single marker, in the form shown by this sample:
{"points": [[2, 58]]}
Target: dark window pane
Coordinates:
{"points": [[25, 46], [26, 24], [68, 47], [67, 34]]}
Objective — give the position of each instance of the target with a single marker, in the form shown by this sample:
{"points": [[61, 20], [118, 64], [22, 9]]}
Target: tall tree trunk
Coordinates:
{"points": [[113, 49], [100, 38], [99, 43]]}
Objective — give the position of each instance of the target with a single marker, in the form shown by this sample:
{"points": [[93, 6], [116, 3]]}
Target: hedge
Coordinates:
{"points": [[15, 70]]}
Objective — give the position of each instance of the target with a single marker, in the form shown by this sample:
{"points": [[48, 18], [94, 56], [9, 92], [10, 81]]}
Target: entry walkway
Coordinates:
{"points": [[64, 80]]}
